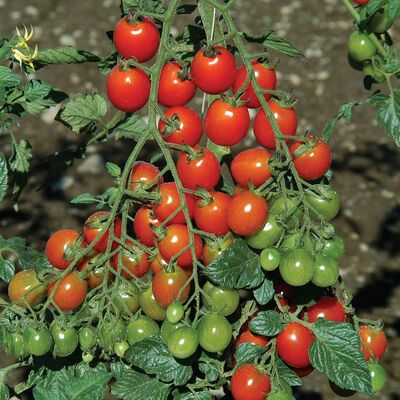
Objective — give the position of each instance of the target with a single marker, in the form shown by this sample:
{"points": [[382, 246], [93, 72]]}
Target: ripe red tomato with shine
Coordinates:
{"points": [[143, 172], [265, 77], [361, 1], [215, 74], [326, 307], [248, 337], [158, 264], [128, 90], [247, 213], [213, 217], [172, 89], [248, 382], [251, 165], [226, 125], [143, 219], [70, 293], [138, 40], [293, 343], [57, 247], [315, 162], [93, 226], [376, 342], [190, 126], [203, 171], [135, 263], [177, 239], [167, 285], [170, 202], [286, 119]]}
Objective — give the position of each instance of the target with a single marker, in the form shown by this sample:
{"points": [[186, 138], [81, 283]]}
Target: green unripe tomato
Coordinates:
{"points": [[360, 46], [291, 240], [267, 236], [120, 348], [183, 342], [378, 376], [287, 210], [269, 259], [37, 342], [86, 338], [141, 328], [333, 247], [87, 356], [380, 22], [326, 271], [15, 345], [126, 299], [354, 64], [215, 332], [65, 341], [175, 312], [325, 204], [220, 299], [167, 328], [297, 267], [150, 307]]}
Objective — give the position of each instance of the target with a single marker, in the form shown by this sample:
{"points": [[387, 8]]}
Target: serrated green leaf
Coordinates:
{"points": [[266, 323], [265, 292], [389, 116], [132, 127], [153, 6], [64, 55], [118, 369], [347, 110], [7, 78], [84, 198], [41, 393], [134, 385], [113, 169], [336, 353], [205, 395], [287, 374], [371, 8], [82, 110], [106, 64], [326, 134], [3, 176], [209, 370], [21, 154], [4, 392], [153, 357], [247, 353], [7, 270], [5, 49], [377, 100], [237, 267], [394, 9], [35, 90]]}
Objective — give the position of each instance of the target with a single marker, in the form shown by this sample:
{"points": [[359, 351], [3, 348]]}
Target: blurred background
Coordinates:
{"points": [[366, 163]]}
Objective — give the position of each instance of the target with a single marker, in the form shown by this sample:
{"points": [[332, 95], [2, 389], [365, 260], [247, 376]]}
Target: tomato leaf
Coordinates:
{"points": [[7, 78], [394, 9], [247, 353], [335, 352], [84, 198], [389, 116], [134, 385], [265, 292], [132, 127], [153, 357], [377, 100], [7, 270], [206, 395], [4, 392], [287, 374], [113, 169], [209, 370], [3, 176], [153, 6], [237, 267], [371, 8], [266, 323]]}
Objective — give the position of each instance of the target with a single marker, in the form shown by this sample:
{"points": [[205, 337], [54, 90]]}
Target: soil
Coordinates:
{"points": [[366, 163]]}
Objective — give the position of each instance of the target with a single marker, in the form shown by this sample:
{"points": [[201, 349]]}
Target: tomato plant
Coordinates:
{"points": [[249, 383], [374, 342]]}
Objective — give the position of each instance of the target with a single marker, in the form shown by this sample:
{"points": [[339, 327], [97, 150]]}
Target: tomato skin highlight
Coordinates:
{"points": [[360, 46], [248, 382], [22, 283], [143, 173], [376, 342]]}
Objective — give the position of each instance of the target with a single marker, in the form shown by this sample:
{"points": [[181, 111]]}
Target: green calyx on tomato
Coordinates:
{"points": [[220, 299], [287, 210], [297, 267], [141, 328]]}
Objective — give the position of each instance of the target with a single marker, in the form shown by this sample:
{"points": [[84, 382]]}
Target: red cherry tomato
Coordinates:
{"points": [[286, 119], [361, 1], [376, 342], [213, 217], [170, 202], [247, 213], [293, 343], [248, 382], [226, 125], [93, 226], [167, 285], [128, 90], [172, 90], [315, 162], [138, 39], [144, 218], [24, 282], [95, 274], [248, 337], [214, 74], [265, 77], [70, 292], [144, 173], [59, 244], [158, 264], [251, 165], [203, 171], [190, 126], [177, 239], [326, 307], [133, 262]]}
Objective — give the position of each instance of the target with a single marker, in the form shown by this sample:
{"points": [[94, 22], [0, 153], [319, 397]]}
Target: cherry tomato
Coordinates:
{"points": [[267, 235], [220, 299], [269, 259], [213, 217], [37, 342], [326, 271], [215, 73], [297, 267], [158, 264], [202, 170], [112, 331], [326, 307], [183, 342], [167, 328], [167, 286], [86, 338], [374, 340], [70, 292], [265, 77], [93, 226], [325, 204], [15, 345], [170, 202], [380, 22], [293, 343], [95, 273], [65, 341], [315, 162], [248, 382], [120, 348], [333, 247], [140, 329], [133, 261], [360, 46], [128, 90], [212, 251], [175, 312], [226, 125], [378, 377], [24, 282], [60, 247], [215, 332], [126, 299], [150, 307], [189, 123], [173, 89], [247, 213], [286, 119], [136, 39], [251, 166], [143, 173], [177, 239], [286, 210], [248, 337], [144, 218]]}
